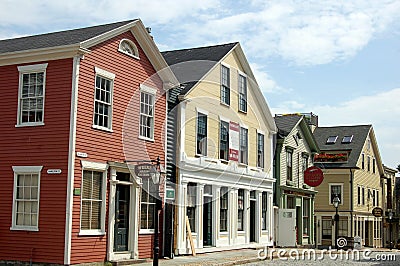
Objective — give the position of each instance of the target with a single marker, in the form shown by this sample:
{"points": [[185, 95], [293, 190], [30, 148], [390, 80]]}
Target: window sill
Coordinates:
{"points": [[223, 161], [145, 138], [201, 155], [225, 104], [131, 55], [243, 112], [243, 164], [146, 231], [30, 125], [91, 233], [22, 228], [102, 128], [223, 232]]}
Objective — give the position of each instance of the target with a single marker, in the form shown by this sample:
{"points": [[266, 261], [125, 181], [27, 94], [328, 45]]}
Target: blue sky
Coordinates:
{"points": [[338, 59]]}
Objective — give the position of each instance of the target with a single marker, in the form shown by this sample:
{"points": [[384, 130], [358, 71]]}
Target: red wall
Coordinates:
{"points": [[102, 146], [33, 146]]}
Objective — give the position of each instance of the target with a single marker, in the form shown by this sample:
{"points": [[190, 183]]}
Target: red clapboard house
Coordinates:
{"points": [[79, 108]]}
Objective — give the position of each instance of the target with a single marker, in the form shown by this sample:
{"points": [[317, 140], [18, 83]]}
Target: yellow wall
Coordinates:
{"points": [[206, 96]]}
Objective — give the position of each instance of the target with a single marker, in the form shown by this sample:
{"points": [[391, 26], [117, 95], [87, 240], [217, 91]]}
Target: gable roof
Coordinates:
{"points": [[360, 134], [202, 60], [60, 38]]}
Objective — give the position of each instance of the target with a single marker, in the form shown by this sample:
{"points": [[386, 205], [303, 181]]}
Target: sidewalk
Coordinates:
{"points": [[232, 257]]}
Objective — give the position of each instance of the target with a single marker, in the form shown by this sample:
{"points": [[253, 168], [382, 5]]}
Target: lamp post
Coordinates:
{"points": [[155, 174], [390, 216], [336, 202]]}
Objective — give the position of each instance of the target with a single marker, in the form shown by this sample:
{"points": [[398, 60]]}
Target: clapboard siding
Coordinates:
{"points": [[103, 146], [39, 145]]}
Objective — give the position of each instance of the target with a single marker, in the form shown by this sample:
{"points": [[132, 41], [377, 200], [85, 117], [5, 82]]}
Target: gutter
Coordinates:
{"points": [[71, 160]]}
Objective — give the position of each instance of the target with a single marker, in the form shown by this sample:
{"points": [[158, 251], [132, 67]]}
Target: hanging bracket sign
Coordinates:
{"points": [[143, 170], [313, 176]]}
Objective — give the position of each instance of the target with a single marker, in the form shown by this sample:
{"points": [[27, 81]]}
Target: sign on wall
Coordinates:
{"points": [[313, 176], [234, 141]]}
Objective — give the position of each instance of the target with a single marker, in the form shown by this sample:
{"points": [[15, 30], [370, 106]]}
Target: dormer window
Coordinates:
{"points": [[129, 48], [347, 139], [331, 140]]}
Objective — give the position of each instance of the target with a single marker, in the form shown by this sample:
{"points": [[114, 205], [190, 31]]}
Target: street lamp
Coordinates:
{"points": [[390, 216], [336, 202], [155, 174]]}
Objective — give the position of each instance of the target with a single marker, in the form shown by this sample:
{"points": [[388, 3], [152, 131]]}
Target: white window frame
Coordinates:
{"points": [[98, 167], [241, 74], [228, 87], [110, 76], [204, 114], [152, 92], [341, 192], [27, 70], [135, 52], [25, 170]]}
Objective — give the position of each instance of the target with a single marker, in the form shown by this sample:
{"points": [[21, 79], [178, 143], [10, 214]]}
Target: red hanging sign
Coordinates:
{"points": [[313, 176]]}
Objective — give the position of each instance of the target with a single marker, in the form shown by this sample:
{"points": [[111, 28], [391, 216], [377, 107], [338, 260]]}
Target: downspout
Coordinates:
{"points": [[351, 202], [71, 160]]}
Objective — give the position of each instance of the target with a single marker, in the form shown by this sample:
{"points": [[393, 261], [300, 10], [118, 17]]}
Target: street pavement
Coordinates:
{"points": [[287, 256]]}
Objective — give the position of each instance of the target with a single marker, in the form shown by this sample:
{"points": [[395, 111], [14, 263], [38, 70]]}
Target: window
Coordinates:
{"points": [[306, 216], [373, 165], [147, 205], [362, 161], [264, 210], [363, 196], [224, 141], [103, 99], [368, 163], [289, 164], [358, 195], [191, 206], [128, 47], [223, 220], [347, 139], [92, 200], [260, 150], [201, 142], [331, 140], [343, 226], [304, 162], [327, 228], [373, 198], [377, 197], [26, 198], [242, 93], [243, 158], [32, 81], [146, 115], [336, 189], [291, 203], [225, 85], [240, 209]]}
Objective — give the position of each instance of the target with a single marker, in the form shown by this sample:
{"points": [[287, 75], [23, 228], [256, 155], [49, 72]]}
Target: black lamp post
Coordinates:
{"points": [[390, 216], [155, 174], [336, 202]]}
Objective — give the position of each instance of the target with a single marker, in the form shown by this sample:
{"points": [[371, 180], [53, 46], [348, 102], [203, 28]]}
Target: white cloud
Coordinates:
{"points": [[266, 83], [381, 110]]}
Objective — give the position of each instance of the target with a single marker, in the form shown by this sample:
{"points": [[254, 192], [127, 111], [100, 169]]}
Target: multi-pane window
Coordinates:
{"points": [[223, 220], [362, 161], [224, 141], [264, 210], [26, 198], [291, 203], [373, 165], [242, 93], [377, 197], [92, 200], [327, 228], [201, 141], [240, 210], [343, 227], [289, 164], [304, 162], [191, 206], [363, 196], [225, 85], [358, 195], [146, 115], [260, 150], [368, 163], [306, 216], [243, 139], [148, 205], [336, 190], [31, 95], [103, 102]]}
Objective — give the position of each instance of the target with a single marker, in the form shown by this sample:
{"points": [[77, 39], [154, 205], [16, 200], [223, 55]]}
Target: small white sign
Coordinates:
{"points": [[54, 171], [81, 154]]}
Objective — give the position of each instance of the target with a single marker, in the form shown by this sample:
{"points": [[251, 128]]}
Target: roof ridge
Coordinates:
{"points": [[202, 47]]}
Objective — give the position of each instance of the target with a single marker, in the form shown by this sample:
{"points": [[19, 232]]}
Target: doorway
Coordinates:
{"points": [[121, 223], [207, 216], [252, 237]]}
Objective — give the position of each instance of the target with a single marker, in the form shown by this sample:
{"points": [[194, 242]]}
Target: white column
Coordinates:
{"points": [[247, 216], [181, 218], [258, 216], [233, 215], [216, 212], [199, 214], [270, 215]]}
